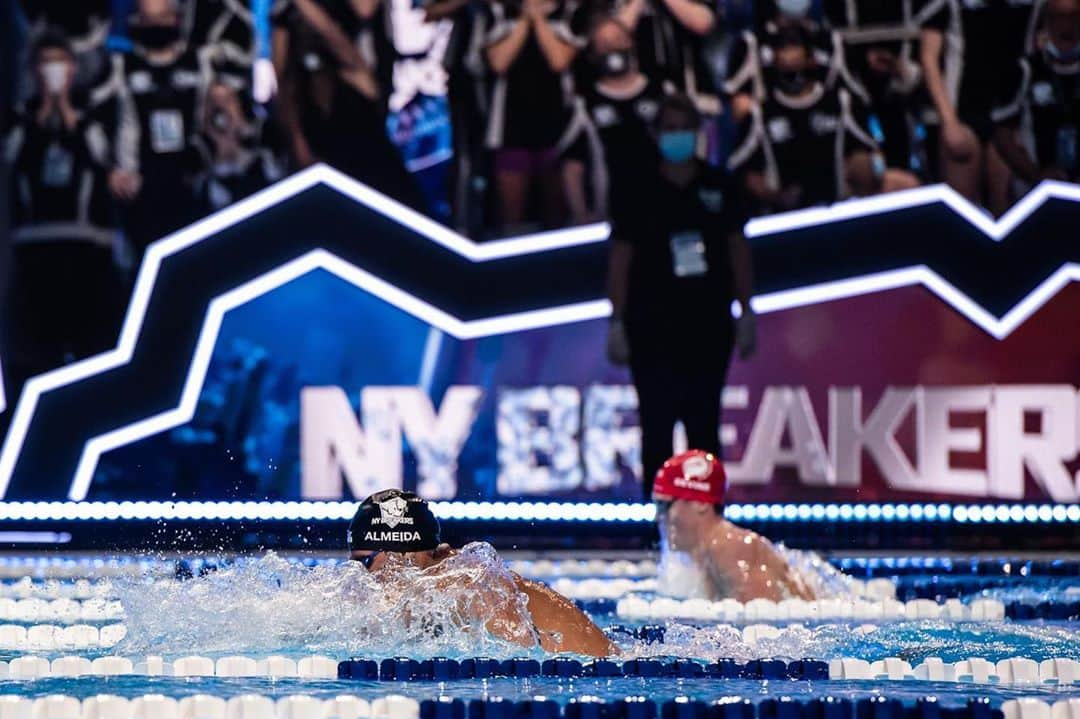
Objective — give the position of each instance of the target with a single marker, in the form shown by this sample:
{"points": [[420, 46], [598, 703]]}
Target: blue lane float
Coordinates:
{"points": [[874, 567], [403, 669], [639, 707]]}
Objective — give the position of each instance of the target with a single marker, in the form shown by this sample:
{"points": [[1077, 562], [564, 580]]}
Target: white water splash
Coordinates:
{"points": [[270, 605], [825, 580], [678, 574]]}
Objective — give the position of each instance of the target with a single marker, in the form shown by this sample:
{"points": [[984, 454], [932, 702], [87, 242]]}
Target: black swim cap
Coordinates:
{"points": [[393, 521]]}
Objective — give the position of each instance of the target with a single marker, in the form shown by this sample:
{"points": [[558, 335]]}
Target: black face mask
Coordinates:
{"points": [[155, 37], [792, 83], [614, 63]]}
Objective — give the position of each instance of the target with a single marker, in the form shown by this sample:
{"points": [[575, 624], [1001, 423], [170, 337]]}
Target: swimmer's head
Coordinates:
{"points": [[695, 476], [689, 487], [391, 523]]}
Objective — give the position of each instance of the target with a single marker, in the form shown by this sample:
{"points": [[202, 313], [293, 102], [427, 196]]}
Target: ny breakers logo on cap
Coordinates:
{"points": [[695, 471], [393, 513]]}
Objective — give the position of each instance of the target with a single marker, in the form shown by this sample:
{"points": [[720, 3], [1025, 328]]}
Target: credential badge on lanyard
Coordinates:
{"points": [[166, 130], [57, 167], [688, 254]]}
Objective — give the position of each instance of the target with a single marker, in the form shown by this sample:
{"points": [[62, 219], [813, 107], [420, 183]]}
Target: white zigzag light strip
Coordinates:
{"points": [[480, 253]]}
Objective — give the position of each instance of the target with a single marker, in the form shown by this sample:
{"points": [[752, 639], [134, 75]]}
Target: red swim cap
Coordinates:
{"points": [[696, 476]]}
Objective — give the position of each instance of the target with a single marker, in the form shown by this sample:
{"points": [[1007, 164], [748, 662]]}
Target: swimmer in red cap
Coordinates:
{"points": [[704, 554]]}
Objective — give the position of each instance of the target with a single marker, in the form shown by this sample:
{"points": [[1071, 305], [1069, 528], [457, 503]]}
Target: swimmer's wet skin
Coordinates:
{"points": [[392, 527], [738, 563]]}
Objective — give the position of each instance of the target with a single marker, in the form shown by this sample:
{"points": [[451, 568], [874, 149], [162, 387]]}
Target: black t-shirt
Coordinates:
{"points": [[752, 58], [624, 124], [803, 142], [58, 179], [530, 104], [982, 39], [1043, 99], [223, 183], [666, 50], [161, 108], [680, 274]]}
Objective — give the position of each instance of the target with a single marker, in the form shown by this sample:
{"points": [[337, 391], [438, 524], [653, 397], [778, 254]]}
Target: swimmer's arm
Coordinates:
{"points": [[505, 625], [563, 627]]}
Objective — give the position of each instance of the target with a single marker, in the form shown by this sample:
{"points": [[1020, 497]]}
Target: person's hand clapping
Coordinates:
{"points": [[535, 10], [125, 184]]}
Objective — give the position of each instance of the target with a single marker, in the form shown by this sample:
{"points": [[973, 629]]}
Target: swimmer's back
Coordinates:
{"points": [[749, 566]]}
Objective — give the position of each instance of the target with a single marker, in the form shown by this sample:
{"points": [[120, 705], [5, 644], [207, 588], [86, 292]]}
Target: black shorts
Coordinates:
{"points": [[978, 119]]}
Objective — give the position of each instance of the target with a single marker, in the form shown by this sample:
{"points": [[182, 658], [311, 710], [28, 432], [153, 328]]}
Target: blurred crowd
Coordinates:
{"points": [[111, 146]]}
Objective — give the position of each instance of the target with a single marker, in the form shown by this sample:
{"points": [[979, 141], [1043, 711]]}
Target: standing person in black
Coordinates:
{"points": [[880, 40], [669, 36], [159, 88], [622, 103], [235, 165], [752, 57], [805, 144], [678, 259], [965, 48], [529, 49], [331, 104], [64, 299], [1043, 102]]}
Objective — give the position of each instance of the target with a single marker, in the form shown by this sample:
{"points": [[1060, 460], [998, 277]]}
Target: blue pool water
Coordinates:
{"points": [[273, 606]]}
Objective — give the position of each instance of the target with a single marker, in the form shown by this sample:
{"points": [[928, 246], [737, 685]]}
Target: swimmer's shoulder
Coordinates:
{"points": [[728, 537], [532, 588], [560, 624]]}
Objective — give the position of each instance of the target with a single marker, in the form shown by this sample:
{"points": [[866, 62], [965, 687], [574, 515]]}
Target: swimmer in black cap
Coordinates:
{"points": [[393, 523]]}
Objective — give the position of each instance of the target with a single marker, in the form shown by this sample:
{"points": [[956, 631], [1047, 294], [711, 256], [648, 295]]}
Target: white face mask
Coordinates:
{"points": [[794, 8], [55, 75]]}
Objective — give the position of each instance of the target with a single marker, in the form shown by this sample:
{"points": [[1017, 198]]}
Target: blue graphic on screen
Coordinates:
{"points": [[320, 331], [244, 439]]}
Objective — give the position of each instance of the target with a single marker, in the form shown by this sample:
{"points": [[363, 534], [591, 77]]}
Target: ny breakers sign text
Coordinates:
{"points": [[562, 438]]}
